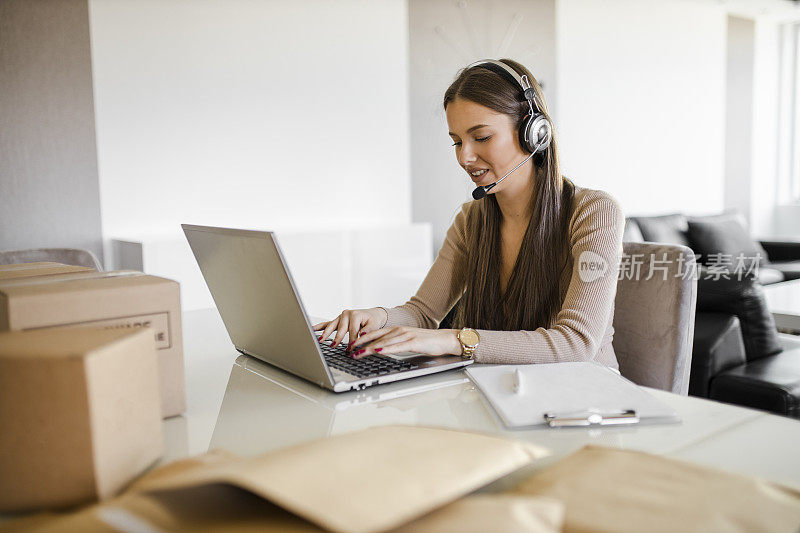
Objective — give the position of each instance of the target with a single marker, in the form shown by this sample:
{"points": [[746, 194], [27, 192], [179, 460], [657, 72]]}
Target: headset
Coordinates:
{"points": [[536, 131]]}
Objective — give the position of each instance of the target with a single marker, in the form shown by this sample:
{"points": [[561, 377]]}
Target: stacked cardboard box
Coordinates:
{"points": [[29, 270], [81, 414], [113, 300]]}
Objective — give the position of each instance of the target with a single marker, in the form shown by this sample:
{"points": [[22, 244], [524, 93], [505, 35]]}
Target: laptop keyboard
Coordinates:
{"points": [[369, 366]]}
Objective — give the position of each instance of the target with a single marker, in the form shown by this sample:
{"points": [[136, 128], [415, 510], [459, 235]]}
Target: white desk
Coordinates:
{"points": [[249, 408]]}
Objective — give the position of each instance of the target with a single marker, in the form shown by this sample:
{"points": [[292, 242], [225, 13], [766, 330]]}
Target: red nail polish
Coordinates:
{"points": [[362, 333], [360, 352], [378, 349]]}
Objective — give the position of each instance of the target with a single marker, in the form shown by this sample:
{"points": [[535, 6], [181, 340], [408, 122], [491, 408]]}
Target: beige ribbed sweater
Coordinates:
{"points": [[582, 329]]}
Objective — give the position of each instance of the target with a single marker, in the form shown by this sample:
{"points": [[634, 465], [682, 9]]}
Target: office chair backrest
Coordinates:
{"points": [[654, 315], [68, 256]]}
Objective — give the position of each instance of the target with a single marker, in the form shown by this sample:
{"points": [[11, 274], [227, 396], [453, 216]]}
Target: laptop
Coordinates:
{"points": [[265, 318]]}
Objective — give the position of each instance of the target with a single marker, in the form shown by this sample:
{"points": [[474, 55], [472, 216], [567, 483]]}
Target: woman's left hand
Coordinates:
{"points": [[407, 339]]}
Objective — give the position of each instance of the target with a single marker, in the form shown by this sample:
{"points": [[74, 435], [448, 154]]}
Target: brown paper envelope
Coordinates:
{"points": [[222, 508], [370, 480], [231, 509], [213, 507], [227, 509], [216, 507], [606, 489], [497, 513], [79, 522], [417, 470], [168, 471]]}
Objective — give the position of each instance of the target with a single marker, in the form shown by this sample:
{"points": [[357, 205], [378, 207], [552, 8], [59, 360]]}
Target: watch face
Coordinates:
{"points": [[469, 337]]}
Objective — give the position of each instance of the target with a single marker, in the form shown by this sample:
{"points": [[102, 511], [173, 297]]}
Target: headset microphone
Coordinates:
{"points": [[481, 190]]}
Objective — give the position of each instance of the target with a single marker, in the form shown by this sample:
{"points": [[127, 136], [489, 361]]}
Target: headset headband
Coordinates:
{"points": [[501, 68], [535, 132]]}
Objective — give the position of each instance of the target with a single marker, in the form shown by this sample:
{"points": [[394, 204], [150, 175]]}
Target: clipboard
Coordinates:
{"points": [[590, 418], [567, 395]]}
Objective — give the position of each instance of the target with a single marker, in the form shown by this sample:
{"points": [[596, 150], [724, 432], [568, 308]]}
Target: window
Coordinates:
{"points": [[789, 115]]}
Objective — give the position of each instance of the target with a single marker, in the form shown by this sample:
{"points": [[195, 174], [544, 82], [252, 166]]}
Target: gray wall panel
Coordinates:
{"points": [[49, 189]]}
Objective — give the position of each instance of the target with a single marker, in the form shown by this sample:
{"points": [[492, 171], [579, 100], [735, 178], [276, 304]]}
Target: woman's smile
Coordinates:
{"points": [[477, 174]]}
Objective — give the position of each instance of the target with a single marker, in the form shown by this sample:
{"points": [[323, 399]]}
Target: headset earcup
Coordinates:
{"points": [[525, 140], [539, 133]]}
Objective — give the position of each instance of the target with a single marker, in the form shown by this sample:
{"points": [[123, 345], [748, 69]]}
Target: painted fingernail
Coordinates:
{"points": [[360, 352], [378, 349], [362, 334]]}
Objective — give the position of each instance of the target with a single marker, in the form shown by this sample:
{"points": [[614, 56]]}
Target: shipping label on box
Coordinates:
{"points": [[158, 322]]}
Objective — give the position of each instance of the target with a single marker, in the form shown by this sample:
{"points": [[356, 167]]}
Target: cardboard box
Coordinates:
{"points": [[116, 300], [28, 270], [80, 414], [34, 264]]}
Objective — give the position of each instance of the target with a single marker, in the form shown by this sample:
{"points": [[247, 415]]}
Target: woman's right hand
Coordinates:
{"points": [[354, 322]]}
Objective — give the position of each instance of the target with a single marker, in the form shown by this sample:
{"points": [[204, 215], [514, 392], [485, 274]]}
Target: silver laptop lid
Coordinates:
{"points": [[256, 298]]}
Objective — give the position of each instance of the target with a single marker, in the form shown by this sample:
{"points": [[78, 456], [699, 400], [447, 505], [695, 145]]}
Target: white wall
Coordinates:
{"points": [[250, 113], [641, 101], [762, 215], [755, 115], [787, 222], [739, 116], [289, 116]]}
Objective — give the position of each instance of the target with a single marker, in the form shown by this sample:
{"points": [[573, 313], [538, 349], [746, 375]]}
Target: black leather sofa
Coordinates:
{"points": [[737, 355]]}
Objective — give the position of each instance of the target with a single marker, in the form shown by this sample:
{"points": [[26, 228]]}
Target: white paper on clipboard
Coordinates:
{"points": [[564, 389]]}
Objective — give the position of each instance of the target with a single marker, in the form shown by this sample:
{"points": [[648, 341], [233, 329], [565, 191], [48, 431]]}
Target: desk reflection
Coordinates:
{"points": [[265, 408]]}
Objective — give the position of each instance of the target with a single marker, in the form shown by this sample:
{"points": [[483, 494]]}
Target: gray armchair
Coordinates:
{"points": [[654, 315]]}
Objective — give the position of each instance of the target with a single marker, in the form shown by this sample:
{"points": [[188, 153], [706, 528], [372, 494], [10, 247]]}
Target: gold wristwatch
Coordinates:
{"points": [[469, 340]]}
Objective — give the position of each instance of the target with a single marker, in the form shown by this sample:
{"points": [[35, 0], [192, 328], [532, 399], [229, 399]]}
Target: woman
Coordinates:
{"points": [[532, 266]]}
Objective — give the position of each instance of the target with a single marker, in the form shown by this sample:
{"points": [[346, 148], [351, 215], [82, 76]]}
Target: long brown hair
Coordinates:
{"points": [[533, 295]]}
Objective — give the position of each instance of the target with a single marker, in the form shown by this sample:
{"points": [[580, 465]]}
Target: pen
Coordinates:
{"points": [[517, 381]]}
